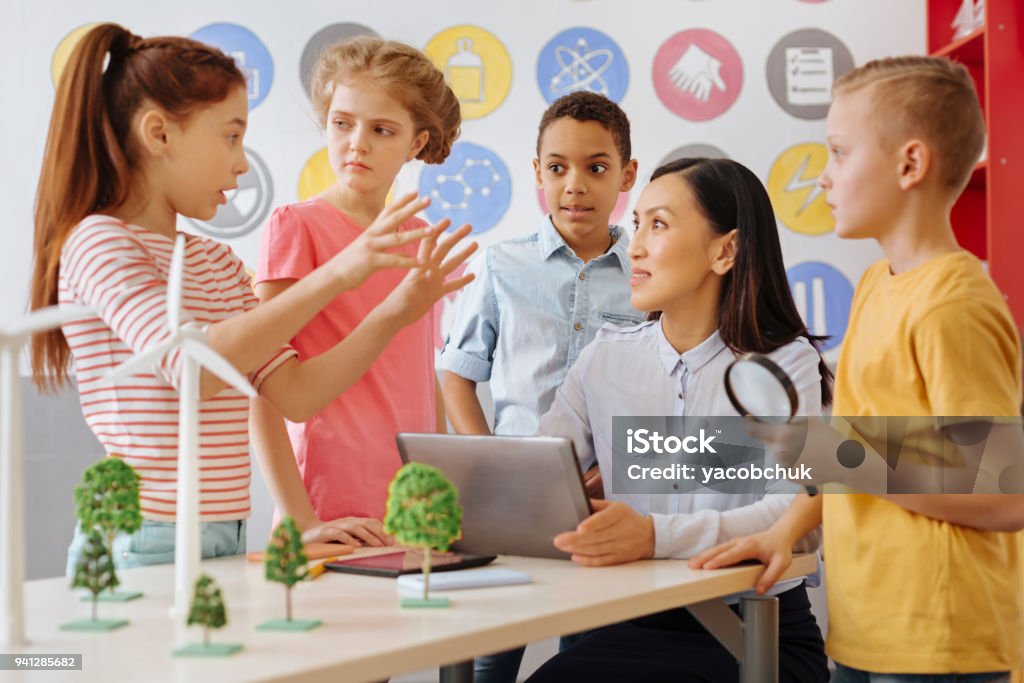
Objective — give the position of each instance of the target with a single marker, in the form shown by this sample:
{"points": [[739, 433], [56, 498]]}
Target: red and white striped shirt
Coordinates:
{"points": [[120, 271]]}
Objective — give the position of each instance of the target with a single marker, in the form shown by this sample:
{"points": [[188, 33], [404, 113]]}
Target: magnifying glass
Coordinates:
{"points": [[757, 387]]}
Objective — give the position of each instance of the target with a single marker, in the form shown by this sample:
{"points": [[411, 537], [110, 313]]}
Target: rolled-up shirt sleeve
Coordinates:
{"points": [[469, 348]]}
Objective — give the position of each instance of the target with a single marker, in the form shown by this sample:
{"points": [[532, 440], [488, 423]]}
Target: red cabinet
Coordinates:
{"points": [[989, 217]]}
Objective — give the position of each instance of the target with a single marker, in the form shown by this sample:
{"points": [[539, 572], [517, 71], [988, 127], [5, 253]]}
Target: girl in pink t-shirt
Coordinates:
{"points": [[382, 103]]}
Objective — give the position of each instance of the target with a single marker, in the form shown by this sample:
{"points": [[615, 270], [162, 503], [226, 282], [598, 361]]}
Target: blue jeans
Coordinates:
{"points": [[503, 667], [153, 544], [845, 674]]}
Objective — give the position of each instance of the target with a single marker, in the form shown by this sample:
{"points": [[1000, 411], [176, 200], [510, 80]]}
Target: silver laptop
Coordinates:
{"points": [[517, 492]]}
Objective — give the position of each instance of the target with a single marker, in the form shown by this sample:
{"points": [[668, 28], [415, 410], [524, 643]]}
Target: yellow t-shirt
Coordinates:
{"points": [[908, 593]]}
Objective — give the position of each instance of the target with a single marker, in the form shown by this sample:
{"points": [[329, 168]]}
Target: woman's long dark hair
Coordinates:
{"points": [[756, 311]]}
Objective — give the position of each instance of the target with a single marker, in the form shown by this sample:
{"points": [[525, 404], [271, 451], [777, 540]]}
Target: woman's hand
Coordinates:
{"points": [[354, 531], [772, 548], [614, 534], [373, 249]]}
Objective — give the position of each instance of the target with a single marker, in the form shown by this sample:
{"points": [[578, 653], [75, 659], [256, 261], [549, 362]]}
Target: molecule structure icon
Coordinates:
{"points": [[472, 186], [460, 178]]}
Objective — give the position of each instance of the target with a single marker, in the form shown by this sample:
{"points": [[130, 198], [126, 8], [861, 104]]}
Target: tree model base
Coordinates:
{"points": [[211, 650], [94, 625], [116, 596], [293, 625], [413, 603]]}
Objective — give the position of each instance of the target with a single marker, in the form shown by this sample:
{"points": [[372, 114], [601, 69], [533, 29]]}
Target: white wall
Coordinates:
{"points": [[754, 129]]}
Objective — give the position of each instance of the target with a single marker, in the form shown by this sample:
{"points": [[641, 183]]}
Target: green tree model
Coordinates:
{"points": [[108, 499], [95, 569], [423, 511], [286, 559], [207, 608]]}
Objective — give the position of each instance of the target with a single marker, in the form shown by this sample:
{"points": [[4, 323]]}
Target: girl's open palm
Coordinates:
{"points": [[374, 249], [427, 282]]}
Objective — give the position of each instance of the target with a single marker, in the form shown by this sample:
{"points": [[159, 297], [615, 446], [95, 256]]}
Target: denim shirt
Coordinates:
{"points": [[523, 321]]}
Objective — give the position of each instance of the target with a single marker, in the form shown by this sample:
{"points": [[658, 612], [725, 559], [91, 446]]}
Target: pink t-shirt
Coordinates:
{"points": [[347, 453]]}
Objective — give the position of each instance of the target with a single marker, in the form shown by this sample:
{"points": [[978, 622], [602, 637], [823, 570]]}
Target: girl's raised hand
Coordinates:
{"points": [[373, 249], [427, 283]]}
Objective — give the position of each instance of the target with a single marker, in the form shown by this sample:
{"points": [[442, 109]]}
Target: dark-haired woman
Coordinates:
{"points": [[708, 267]]}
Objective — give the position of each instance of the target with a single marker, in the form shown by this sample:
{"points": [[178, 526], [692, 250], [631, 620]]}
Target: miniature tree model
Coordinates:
{"points": [[285, 562], [94, 571], [207, 609], [423, 511], [107, 500]]}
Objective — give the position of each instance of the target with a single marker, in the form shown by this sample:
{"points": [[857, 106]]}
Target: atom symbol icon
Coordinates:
{"points": [[581, 69], [459, 178]]}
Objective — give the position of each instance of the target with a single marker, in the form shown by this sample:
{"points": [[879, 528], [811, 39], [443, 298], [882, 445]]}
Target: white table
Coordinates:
{"points": [[365, 636]]}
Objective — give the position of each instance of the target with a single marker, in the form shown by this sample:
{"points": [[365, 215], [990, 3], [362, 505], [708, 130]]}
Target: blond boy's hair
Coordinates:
{"points": [[405, 74], [928, 97]]}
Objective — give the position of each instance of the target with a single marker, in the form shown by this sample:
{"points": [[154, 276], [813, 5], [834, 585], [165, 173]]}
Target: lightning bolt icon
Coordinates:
{"points": [[798, 182]]}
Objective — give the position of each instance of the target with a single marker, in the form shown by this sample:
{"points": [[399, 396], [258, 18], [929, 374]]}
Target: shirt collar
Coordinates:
{"points": [[695, 358], [551, 241]]}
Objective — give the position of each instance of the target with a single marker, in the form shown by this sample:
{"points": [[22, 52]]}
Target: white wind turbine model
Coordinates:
{"points": [[12, 474], [196, 354]]}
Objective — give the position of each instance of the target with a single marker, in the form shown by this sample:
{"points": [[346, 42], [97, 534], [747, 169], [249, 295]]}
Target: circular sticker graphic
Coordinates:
{"points": [[697, 149], [801, 69], [247, 206], [316, 175], [798, 200], [620, 206], [582, 59], [472, 186], [323, 39], [823, 296], [475, 64], [697, 74], [249, 53], [64, 48]]}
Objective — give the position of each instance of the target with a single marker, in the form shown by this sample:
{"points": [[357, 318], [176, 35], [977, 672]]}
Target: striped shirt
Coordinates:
{"points": [[120, 271]]}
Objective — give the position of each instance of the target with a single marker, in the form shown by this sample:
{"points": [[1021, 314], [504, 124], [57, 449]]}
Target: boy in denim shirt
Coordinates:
{"points": [[538, 300]]}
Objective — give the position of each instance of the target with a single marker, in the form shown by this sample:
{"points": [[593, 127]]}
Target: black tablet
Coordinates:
{"points": [[406, 562]]}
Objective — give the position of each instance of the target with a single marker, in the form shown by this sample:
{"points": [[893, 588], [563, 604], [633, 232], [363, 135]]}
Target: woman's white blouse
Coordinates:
{"points": [[635, 371]]}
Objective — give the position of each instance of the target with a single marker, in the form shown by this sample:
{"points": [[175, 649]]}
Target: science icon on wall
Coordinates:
{"points": [[823, 296], [476, 65], [472, 186], [323, 39], [247, 206], [582, 59], [64, 48], [801, 69], [248, 51], [697, 74], [798, 200]]}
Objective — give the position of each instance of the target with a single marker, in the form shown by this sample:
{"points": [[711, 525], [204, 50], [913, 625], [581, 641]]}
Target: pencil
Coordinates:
{"points": [[318, 569]]}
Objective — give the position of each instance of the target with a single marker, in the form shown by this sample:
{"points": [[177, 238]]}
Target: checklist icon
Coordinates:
{"points": [[809, 75]]}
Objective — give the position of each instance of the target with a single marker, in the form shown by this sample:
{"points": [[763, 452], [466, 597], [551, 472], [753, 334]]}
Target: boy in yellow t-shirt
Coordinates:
{"points": [[919, 586]]}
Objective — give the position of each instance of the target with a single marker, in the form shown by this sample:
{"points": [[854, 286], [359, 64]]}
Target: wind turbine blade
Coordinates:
{"points": [[46, 319], [142, 363], [174, 284], [218, 365]]}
